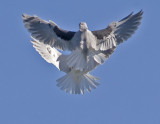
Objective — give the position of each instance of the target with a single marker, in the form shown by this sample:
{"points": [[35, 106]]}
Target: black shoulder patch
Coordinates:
{"points": [[101, 33], [63, 34]]}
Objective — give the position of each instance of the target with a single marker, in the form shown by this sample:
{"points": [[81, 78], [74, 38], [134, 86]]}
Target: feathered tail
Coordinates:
{"points": [[77, 82]]}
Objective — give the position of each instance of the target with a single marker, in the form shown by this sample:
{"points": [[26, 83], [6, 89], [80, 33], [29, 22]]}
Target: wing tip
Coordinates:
{"points": [[140, 13], [27, 18], [127, 17], [24, 16]]}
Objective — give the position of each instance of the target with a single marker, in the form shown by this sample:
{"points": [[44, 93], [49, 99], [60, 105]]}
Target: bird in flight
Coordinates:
{"points": [[88, 48]]}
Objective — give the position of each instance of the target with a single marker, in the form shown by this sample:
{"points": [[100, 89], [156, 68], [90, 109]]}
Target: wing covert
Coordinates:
{"points": [[48, 32]]}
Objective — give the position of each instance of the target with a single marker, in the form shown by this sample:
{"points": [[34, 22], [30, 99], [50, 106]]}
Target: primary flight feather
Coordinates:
{"points": [[88, 48]]}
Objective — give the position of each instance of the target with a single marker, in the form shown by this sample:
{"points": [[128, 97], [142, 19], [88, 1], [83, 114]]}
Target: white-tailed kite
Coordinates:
{"points": [[88, 48]]}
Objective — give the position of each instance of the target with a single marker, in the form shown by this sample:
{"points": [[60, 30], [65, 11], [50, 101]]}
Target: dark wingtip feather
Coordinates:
{"points": [[27, 18], [24, 15], [140, 13], [138, 16], [126, 17]]}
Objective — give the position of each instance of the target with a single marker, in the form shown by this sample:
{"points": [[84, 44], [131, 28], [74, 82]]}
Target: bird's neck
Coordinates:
{"points": [[83, 30]]}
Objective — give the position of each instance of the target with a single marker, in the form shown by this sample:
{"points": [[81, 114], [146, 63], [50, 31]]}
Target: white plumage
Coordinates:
{"points": [[88, 48]]}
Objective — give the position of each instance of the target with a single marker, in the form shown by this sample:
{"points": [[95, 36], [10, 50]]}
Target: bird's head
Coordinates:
{"points": [[83, 26]]}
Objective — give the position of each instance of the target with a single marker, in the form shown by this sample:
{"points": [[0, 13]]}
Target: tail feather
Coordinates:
{"points": [[77, 82], [91, 83], [86, 84], [61, 81]]}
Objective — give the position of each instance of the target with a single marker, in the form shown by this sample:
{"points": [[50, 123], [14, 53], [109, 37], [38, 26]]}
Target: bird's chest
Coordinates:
{"points": [[83, 40], [86, 40]]}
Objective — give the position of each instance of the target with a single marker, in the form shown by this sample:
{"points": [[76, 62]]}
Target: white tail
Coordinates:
{"points": [[77, 82]]}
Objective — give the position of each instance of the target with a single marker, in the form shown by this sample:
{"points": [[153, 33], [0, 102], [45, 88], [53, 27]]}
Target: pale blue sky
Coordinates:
{"points": [[130, 80]]}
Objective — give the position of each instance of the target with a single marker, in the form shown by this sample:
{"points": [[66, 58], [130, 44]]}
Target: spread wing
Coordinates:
{"points": [[117, 32], [48, 32], [47, 52]]}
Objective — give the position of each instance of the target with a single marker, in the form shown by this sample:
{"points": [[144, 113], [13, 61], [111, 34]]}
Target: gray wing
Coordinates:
{"points": [[117, 32], [48, 32]]}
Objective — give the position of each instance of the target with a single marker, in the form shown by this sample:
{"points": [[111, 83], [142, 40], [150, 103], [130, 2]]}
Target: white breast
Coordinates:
{"points": [[90, 39], [85, 39]]}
